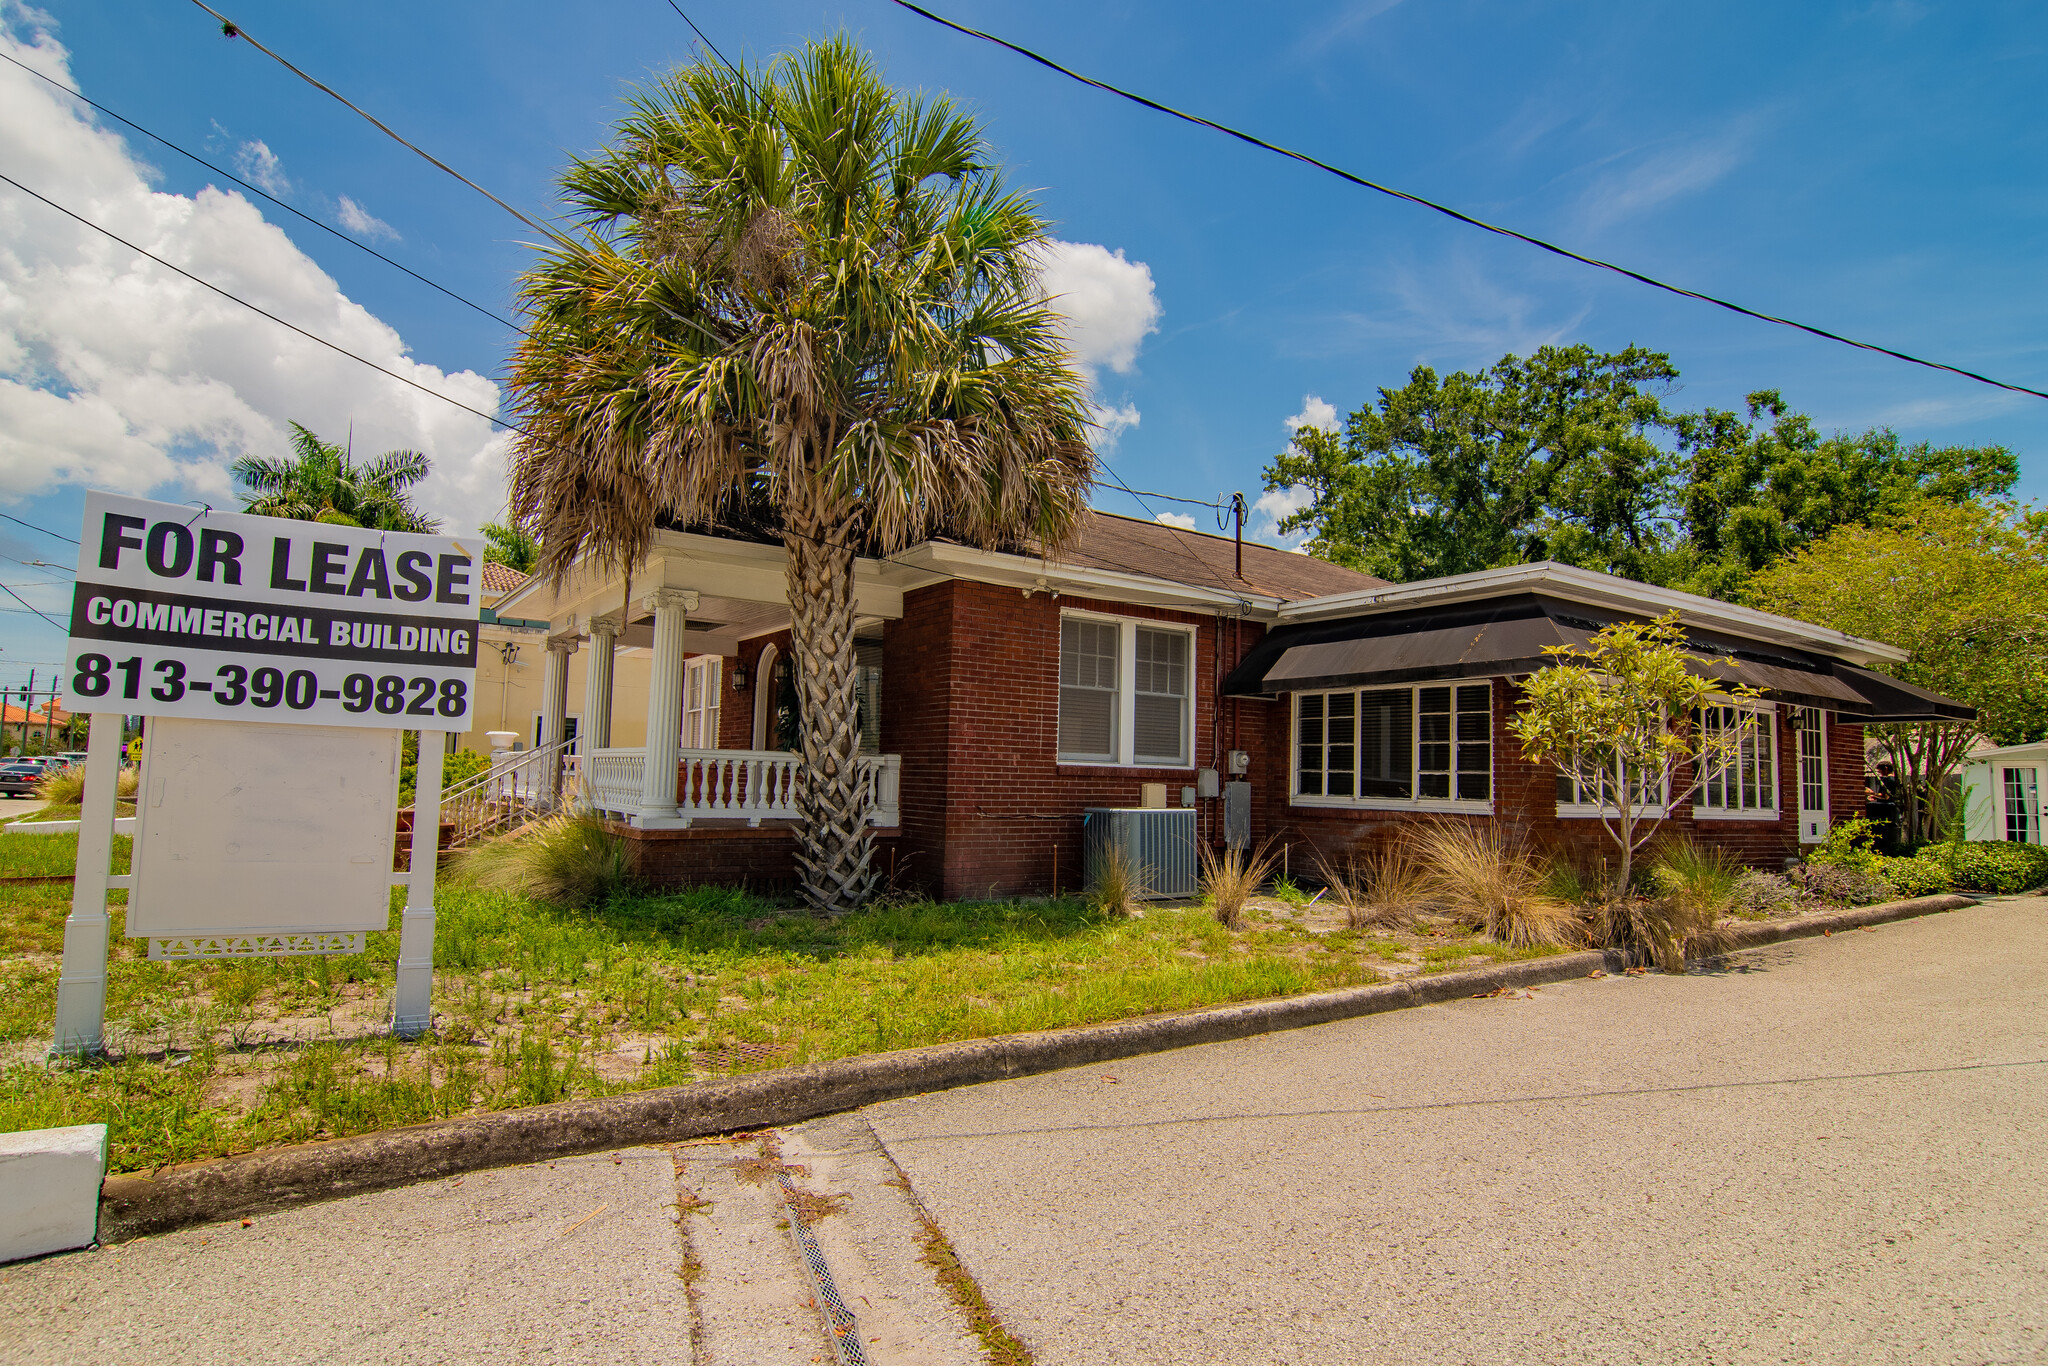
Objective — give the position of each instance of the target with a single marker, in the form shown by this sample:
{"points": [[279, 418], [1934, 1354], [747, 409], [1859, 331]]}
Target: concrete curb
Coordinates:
{"points": [[278, 1178]]}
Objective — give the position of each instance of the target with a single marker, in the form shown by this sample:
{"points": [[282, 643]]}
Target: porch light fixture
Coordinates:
{"points": [[739, 677]]}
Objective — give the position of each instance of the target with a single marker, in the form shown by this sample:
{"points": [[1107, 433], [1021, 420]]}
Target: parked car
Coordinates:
{"points": [[19, 779]]}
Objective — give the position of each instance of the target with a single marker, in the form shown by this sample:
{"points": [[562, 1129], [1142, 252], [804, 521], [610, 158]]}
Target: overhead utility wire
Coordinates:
{"points": [[31, 525], [234, 30], [33, 608], [230, 175], [1465, 218], [254, 308]]}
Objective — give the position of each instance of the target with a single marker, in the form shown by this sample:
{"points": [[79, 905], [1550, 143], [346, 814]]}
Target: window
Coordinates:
{"points": [[867, 691], [1160, 724], [1088, 676], [1389, 745], [1126, 692], [1575, 798], [1745, 782], [2022, 807], [700, 702]]}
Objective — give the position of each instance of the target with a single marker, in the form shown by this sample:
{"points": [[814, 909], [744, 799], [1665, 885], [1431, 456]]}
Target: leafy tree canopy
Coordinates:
{"points": [[1575, 455], [1964, 588], [511, 547], [321, 482]]}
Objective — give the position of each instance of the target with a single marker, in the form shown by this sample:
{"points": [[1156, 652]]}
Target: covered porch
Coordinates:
{"points": [[695, 605]]}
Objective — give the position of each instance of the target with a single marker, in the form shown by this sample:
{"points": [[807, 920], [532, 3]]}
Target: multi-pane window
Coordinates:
{"points": [[867, 693], [1088, 687], [1160, 715], [700, 702], [1744, 781], [2022, 806], [1572, 791], [1127, 692], [1432, 743]]}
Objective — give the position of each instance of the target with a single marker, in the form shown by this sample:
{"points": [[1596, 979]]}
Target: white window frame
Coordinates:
{"points": [[1811, 721], [708, 672], [1126, 715], [1585, 810], [2026, 778], [1766, 716], [1447, 805]]}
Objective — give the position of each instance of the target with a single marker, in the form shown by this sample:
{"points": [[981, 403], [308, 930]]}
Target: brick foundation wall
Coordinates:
{"points": [[761, 860]]}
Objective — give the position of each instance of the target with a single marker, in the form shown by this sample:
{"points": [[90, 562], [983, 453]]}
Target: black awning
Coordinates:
{"points": [[1510, 636]]}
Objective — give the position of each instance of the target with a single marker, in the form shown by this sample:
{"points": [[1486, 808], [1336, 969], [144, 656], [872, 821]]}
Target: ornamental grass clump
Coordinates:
{"points": [[1380, 889], [1487, 879], [1669, 931], [1120, 883], [1230, 878], [568, 860], [1704, 878], [66, 786]]}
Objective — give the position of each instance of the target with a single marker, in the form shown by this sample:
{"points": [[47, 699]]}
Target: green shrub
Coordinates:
{"points": [[1760, 895], [568, 860], [1840, 884], [458, 767], [1850, 844], [1990, 865], [1911, 877]]}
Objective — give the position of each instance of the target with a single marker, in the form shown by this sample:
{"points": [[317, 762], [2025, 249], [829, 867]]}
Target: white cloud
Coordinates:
{"points": [[1314, 413], [1108, 301], [1273, 507], [119, 374], [359, 221], [259, 164], [1180, 519], [1670, 172], [1109, 307]]}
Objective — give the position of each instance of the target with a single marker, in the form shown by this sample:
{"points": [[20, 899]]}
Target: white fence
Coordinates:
{"points": [[750, 785]]}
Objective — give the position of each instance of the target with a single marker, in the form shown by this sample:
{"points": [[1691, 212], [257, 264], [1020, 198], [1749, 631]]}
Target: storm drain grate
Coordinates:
{"points": [[841, 1326], [731, 1057]]}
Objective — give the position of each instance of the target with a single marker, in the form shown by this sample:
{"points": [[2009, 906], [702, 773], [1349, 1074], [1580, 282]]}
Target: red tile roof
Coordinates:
{"points": [[500, 579]]}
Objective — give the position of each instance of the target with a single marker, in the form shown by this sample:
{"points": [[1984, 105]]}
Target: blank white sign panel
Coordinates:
{"points": [[263, 829]]}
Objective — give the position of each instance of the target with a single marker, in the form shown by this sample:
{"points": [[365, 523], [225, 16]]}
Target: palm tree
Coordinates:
{"points": [[320, 482], [511, 547], [800, 300]]}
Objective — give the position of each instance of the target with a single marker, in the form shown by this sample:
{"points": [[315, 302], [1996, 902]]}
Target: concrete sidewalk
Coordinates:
{"points": [[574, 1261], [1829, 1151]]}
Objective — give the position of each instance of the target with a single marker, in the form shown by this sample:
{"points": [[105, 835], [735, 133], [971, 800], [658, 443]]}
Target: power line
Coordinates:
{"points": [[33, 608], [230, 175], [1464, 218], [234, 298], [16, 520], [231, 29], [1176, 498]]}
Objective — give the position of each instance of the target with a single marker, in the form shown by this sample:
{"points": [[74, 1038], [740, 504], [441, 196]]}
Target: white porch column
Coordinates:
{"points": [[596, 732], [664, 706], [554, 690]]}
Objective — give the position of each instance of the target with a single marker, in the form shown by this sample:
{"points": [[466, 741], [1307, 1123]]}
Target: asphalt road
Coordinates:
{"points": [[1830, 1151]]}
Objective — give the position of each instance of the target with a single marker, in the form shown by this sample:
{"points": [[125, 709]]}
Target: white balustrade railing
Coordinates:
{"points": [[750, 785]]}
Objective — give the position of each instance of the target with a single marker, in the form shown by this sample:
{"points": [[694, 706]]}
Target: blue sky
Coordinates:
{"points": [[1872, 168]]}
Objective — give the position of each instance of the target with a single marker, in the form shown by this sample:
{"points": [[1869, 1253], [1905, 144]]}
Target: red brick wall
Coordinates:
{"points": [[736, 720], [762, 860], [971, 673]]}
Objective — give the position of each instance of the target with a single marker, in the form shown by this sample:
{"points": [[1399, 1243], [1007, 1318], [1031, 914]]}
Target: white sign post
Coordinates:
{"points": [[282, 660]]}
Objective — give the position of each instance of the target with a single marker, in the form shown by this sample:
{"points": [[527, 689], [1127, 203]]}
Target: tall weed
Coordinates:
{"points": [[1384, 888], [568, 860], [1493, 882], [1230, 878]]}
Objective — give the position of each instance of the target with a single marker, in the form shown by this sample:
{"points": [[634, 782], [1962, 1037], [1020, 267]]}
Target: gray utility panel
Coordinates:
{"points": [[1158, 842]]}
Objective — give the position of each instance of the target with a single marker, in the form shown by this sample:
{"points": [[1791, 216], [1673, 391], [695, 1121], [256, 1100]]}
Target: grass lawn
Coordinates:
{"points": [[534, 1004]]}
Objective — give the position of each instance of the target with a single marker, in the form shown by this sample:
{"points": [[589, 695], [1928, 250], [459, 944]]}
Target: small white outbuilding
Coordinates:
{"points": [[2002, 793]]}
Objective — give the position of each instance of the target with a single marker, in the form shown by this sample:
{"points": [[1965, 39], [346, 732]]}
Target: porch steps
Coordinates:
{"points": [[751, 1296]]}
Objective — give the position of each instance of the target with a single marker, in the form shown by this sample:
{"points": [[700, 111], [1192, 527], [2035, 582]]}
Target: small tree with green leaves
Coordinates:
{"points": [[1619, 718]]}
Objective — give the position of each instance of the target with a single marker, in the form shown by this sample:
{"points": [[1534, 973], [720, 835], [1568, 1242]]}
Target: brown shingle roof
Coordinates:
{"points": [[497, 578], [1108, 540]]}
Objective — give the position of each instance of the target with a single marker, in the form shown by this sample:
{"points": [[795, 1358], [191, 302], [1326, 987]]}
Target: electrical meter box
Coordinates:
{"points": [[263, 830]]}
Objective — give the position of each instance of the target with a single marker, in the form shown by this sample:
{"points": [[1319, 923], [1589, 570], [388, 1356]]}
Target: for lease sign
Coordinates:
{"points": [[223, 616]]}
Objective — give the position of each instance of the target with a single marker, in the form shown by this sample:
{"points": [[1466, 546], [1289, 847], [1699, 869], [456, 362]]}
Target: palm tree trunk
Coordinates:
{"points": [[834, 849]]}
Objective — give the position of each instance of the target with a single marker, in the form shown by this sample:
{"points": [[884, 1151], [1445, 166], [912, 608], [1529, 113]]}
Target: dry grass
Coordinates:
{"points": [[66, 786], [1230, 878], [567, 860], [1668, 930], [1120, 884], [1380, 889], [1490, 880]]}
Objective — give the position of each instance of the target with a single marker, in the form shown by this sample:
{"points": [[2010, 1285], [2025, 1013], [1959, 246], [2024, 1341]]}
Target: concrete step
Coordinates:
{"points": [[750, 1294]]}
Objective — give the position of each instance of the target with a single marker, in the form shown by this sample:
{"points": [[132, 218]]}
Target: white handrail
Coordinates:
{"points": [[732, 785]]}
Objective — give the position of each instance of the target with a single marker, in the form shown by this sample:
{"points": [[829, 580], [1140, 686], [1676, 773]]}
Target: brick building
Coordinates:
{"points": [[1004, 693]]}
